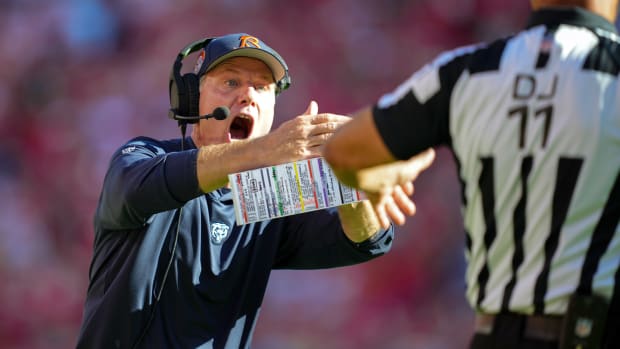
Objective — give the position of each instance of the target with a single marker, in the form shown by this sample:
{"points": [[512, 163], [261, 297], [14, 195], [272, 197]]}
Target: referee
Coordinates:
{"points": [[533, 121]]}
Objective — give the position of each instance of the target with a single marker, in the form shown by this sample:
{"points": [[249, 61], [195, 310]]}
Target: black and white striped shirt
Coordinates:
{"points": [[534, 123]]}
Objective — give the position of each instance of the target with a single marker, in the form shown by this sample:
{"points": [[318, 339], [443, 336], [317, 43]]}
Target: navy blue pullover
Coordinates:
{"points": [[158, 235]]}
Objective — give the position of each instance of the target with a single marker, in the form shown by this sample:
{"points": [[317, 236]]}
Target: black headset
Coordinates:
{"points": [[184, 89]]}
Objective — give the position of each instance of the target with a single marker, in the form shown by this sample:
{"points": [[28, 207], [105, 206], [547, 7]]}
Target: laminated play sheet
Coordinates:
{"points": [[287, 189]]}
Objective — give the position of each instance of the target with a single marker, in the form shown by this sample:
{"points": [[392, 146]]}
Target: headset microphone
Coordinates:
{"points": [[219, 113]]}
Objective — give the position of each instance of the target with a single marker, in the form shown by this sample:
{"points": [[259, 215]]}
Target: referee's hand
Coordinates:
{"points": [[389, 187]]}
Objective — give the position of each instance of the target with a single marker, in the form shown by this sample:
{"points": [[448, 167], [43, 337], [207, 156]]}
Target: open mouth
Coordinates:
{"points": [[241, 127]]}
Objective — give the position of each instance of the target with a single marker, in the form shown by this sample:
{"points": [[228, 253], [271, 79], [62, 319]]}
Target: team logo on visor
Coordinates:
{"points": [[249, 41], [219, 232]]}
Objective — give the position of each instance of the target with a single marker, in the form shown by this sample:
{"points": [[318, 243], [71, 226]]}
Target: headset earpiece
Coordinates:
{"points": [[184, 89], [192, 84], [185, 94]]}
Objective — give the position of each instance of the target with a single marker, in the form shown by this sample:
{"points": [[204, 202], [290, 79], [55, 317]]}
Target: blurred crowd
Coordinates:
{"points": [[80, 77]]}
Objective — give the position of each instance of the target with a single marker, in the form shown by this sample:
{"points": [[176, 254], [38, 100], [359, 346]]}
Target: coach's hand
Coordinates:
{"points": [[303, 136]]}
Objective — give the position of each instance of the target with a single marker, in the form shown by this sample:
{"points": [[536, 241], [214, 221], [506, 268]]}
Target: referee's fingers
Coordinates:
{"points": [[402, 200], [408, 188], [394, 212], [378, 205]]}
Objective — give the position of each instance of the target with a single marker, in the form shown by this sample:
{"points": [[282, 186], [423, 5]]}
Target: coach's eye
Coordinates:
{"points": [[261, 88], [231, 83]]}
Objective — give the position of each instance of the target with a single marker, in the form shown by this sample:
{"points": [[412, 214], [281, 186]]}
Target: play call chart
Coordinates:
{"points": [[287, 189]]}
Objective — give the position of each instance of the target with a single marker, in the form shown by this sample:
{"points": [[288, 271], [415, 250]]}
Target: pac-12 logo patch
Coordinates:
{"points": [[219, 232], [199, 61]]}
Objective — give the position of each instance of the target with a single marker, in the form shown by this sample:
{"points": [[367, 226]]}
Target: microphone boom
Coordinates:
{"points": [[219, 113]]}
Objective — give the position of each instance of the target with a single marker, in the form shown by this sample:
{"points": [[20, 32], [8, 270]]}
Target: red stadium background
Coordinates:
{"points": [[80, 77]]}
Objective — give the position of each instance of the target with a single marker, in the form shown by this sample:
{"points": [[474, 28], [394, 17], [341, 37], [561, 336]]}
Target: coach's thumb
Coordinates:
{"points": [[313, 108]]}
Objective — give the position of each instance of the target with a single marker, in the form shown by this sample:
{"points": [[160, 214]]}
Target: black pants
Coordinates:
{"points": [[508, 334], [482, 341]]}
